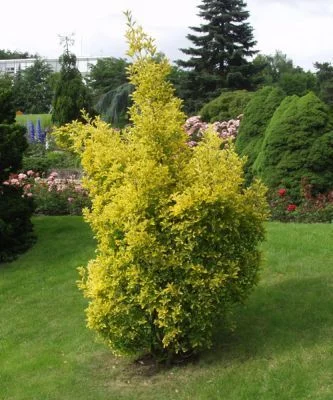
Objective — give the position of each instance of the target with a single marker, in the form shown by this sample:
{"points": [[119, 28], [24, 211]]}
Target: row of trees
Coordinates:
{"points": [[220, 59], [15, 55]]}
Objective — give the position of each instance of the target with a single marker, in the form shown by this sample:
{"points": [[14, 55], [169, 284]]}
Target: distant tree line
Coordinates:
{"points": [[15, 55], [221, 59]]}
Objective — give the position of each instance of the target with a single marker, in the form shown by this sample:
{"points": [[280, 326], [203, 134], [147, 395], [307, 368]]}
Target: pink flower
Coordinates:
{"points": [[6, 183], [14, 181], [29, 194], [282, 192], [30, 172], [22, 176]]}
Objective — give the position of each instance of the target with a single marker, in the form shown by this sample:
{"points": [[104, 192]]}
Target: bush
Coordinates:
{"points": [[297, 146], [256, 117], [229, 105], [16, 233], [177, 234], [37, 158], [321, 161], [15, 211], [52, 195]]}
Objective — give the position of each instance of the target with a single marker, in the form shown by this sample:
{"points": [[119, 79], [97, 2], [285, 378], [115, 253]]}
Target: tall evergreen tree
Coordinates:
{"points": [[71, 93], [221, 47]]}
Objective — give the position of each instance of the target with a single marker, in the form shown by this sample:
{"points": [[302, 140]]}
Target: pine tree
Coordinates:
{"points": [[221, 47]]}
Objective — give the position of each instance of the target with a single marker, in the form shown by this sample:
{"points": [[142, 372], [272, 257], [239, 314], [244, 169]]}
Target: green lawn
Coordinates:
{"points": [[45, 119], [281, 348]]}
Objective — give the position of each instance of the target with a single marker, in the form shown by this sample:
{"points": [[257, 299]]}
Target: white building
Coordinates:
{"points": [[12, 66]]}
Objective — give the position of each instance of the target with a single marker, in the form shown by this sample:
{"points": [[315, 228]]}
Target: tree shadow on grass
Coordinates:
{"points": [[277, 319]]}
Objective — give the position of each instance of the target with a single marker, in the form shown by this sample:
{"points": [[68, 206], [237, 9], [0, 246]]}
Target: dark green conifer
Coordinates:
{"points": [[71, 93], [297, 146], [15, 209], [221, 45], [257, 116]]}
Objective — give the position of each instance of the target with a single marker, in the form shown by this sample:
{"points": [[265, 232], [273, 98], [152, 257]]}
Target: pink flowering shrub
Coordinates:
{"points": [[51, 195], [225, 130]]}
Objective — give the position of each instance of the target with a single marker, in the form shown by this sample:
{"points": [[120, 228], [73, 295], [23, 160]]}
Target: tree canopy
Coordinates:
{"points": [[279, 70], [32, 88], [7, 108], [325, 82], [15, 55], [111, 89]]}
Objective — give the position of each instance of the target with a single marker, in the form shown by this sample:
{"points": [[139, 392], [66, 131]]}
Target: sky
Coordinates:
{"points": [[302, 29]]}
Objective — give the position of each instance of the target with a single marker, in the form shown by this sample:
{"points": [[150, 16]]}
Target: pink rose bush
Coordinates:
{"points": [[51, 195]]}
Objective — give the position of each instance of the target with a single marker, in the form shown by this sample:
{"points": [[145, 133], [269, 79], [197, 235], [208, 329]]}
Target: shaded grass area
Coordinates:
{"points": [[280, 349], [45, 119]]}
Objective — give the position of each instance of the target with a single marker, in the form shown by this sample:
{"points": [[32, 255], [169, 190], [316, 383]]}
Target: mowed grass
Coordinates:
{"points": [[45, 119], [281, 348]]}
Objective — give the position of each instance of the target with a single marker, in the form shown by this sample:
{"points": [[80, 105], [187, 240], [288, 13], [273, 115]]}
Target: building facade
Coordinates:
{"points": [[12, 66]]}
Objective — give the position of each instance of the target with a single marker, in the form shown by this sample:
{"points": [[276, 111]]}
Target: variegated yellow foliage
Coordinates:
{"points": [[177, 233]]}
